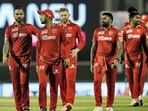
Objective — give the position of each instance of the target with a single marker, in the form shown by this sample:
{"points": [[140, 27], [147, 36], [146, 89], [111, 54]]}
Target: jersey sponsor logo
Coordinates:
{"points": [[129, 31], [22, 34], [14, 29], [16, 34], [101, 32], [130, 36], [100, 38], [68, 35], [45, 37], [44, 31]]}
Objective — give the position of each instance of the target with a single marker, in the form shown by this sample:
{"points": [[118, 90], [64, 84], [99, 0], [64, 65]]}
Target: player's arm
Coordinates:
{"points": [[92, 55], [66, 48], [81, 41], [6, 48], [119, 49], [145, 44]]}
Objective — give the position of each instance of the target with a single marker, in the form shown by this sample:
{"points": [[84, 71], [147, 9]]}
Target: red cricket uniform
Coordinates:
{"points": [[105, 55], [49, 62], [133, 38], [20, 38], [73, 33], [144, 65]]}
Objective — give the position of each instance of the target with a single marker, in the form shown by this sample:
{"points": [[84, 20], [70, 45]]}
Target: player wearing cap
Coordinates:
{"points": [[134, 37], [49, 62], [17, 53], [105, 56], [77, 42]]}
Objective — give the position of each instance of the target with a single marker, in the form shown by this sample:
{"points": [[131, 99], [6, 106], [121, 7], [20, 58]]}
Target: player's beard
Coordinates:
{"points": [[43, 21], [19, 20], [105, 24], [64, 21]]}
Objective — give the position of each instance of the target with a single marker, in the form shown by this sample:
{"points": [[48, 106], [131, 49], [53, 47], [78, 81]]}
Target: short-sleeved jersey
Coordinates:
{"points": [[20, 38], [106, 41], [133, 38], [50, 41]]}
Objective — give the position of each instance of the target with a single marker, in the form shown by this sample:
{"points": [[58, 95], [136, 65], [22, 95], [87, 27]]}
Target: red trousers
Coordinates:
{"points": [[20, 82], [143, 75], [133, 70], [51, 73], [110, 81], [67, 87]]}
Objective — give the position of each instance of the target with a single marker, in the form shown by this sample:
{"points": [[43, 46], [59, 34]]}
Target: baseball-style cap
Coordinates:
{"points": [[47, 12]]}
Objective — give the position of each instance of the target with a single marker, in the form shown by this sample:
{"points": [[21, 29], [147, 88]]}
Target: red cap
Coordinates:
{"points": [[46, 12]]}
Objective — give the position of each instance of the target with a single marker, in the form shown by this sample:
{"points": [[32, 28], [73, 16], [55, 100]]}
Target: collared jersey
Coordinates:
{"points": [[73, 35], [133, 38], [106, 41], [73, 32], [20, 38], [50, 41]]}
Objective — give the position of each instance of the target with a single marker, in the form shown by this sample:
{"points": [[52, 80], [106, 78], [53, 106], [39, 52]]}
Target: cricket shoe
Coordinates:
{"points": [[109, 109], [140, 100], [67, 107], [135, 103], [43, 109], [98, 108]]}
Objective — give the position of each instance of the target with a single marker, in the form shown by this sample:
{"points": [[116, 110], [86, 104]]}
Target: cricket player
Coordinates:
{"points": [[16, 53], [144, 23], [105, 55], [77, 42], [49, 62], [135, 46]]}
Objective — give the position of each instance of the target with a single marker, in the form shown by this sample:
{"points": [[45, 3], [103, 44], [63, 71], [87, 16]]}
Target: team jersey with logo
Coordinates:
{"points": [[106, 41], [50, 41], [133, 38], [20, 38], [74, 36]]}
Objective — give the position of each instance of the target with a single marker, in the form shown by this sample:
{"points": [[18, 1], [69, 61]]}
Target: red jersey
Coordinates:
{"points": [[133, 38], [73, 33], [106, 41], [50, 41], [20, 38]]}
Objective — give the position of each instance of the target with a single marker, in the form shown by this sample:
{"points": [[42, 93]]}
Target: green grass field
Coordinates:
{"points": [[83, 103]]}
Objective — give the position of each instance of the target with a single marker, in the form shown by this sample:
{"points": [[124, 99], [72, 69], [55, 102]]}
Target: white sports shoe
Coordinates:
{"points": [[67, 107], [97, 109], [109, 109], [135, 103]]}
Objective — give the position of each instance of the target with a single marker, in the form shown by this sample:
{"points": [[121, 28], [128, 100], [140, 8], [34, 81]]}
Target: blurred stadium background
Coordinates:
{"points": [[86, 13]]}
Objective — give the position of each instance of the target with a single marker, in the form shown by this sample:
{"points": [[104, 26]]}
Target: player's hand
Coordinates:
{"points": [[91, 68], [66, 62], [74, 52], [5, 60], [36, 68], [115, 63]]}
